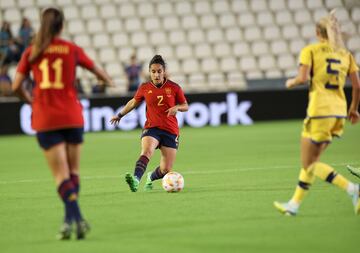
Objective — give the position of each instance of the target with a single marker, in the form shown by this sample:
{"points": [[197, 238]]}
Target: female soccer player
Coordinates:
{"points": [[163, 99], [327, 63], [56, 111]]}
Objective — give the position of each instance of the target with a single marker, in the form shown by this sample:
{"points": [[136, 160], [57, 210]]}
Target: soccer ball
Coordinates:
{"points": [[173, 182]]}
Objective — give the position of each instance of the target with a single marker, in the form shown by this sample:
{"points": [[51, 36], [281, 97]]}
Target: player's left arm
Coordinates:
{"points": [[301, 78], [353, 113], [177, 108]]}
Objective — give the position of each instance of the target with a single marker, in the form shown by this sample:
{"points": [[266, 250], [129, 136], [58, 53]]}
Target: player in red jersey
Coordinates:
{"points": [[56, 111], [163, 99]]}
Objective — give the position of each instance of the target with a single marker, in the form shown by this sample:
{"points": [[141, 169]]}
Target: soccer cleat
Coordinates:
{"points": [[132, 181], [82, 228], [65, 232], [353, 170], [356, 200], [285, 208], [149, 184]]}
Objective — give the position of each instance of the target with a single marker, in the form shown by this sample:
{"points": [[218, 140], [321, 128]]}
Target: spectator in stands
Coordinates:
{"points": [[5, 81], [25, 35], [164, 99], [329, 63], [56, 112], [9, 49], [133, 73]]}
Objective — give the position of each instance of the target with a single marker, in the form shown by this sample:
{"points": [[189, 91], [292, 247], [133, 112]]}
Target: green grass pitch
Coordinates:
{"points": [[232, 176]]}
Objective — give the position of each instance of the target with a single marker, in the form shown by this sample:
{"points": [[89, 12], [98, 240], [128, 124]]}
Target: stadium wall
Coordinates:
{"points": [[205, 109]]}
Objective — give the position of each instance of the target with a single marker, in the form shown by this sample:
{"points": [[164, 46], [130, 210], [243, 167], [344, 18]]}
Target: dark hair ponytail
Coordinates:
{"points": [[157, 59], [51, 24]]}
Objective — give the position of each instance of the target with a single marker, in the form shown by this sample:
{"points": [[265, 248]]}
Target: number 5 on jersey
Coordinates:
{"points": [[57, 67]]}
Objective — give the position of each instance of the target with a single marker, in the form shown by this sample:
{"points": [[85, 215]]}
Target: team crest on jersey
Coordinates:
{"points": [[168, 91]]}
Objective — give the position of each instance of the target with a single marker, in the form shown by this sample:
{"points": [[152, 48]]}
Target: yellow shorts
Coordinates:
{"points": [[321, 130]]}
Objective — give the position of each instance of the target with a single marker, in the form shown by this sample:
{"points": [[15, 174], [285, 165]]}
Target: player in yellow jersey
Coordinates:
{"points": [[327, 64]]}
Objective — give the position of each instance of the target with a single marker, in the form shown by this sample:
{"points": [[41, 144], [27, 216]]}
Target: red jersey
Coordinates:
{"points": [[55, 104], [158, 100]]}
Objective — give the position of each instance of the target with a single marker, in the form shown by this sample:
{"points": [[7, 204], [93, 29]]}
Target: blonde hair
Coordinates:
{"points": [[329, 28]]}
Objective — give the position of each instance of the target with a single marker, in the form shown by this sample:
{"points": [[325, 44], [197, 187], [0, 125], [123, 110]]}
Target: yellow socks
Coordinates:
{"points": [[328, 174], [305, 180]]}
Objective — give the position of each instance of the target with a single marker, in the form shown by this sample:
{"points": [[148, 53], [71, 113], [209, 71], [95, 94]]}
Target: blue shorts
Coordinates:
{"points": [[51, 138], [165, 138]]}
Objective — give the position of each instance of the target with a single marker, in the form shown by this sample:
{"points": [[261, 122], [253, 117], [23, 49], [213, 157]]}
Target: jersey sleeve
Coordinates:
{"points": [[180, 97], [305, 56], [139, 95], [24, 66], [353, 67], [82, 59]]}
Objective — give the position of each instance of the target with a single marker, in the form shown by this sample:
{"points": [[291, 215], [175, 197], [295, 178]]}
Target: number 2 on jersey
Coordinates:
{"points": [[333, 74], [161, 98], [57, 66]]}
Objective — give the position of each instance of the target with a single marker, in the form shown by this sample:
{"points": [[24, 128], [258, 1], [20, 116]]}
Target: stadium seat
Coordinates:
{"points": [[318, 14], [355, 14], [138, 39], [113, 25], [114, 69], [5, 4], [173, 66], [32, 13], [145, 53], [196, 36], [227, 20], [354, 43], [189, 22], [184, 51], [246, 19], [101, 40], [216, 81], [258, 5], [166, 51], [120, 40], [233, 34], [283, 18], [180, 79], [240, 7], [278, 5], [108, 11], [107, 54], [259, 48], [209, 65], [220, 7], [132, 24], [265, 18], [71, 12], [311, 4], [190, 66], [197, 82], [208, 21], [290, 32], [158, 38], [272, 33], [303, 17], [202, 7], [12, 15], [222, 49], [127, 10], [273, 74], [89, 12], [94, 26], [76, 26], [171, 23], [248, 63], [241, 49], [125, 53], [152, 23], [23, 3], [308, 31], [164, 9], [236, 81], [286, 62], [203, 50], [83, 40], [145, 9], [228, 64], [177, 37], [342, 15], [254, 75], [183, 8], [252, 33], [296, 45], [267, 62], [45, 3], [331, 4], [296, 5], [63, 3], [214, 35]]}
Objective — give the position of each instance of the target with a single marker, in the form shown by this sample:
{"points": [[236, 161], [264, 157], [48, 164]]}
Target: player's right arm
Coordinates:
{"points": [[304, 69], [128, 108], [22, 72]]}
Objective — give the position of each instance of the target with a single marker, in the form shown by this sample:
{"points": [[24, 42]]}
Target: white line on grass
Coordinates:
{"points": [[2, 182]]}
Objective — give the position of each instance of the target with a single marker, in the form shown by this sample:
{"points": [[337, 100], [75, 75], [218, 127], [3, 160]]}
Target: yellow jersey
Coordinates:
{"points": [[328, 72]]}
